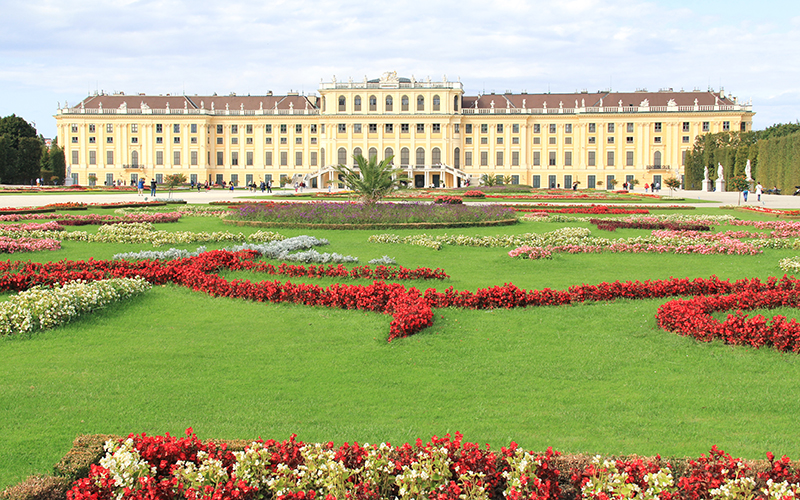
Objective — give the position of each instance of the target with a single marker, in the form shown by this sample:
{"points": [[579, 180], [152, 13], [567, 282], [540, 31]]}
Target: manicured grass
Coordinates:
{"points": [[595, 378]]}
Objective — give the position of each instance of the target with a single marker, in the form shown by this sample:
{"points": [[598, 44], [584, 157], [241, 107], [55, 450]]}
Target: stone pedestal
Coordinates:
{"points": [[720, 185], [707, 186]]}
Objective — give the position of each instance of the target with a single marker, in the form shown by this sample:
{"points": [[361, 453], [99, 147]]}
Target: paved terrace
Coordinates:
{"points": [[193, 196]]}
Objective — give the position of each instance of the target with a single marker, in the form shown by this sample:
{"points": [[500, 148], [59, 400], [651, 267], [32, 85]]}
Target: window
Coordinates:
{"points": [[389, 103], [341, 158], [75, 157], [110, 128], [420, 128], [249, 158], [249, 140], [591, 181], [610, 139], [373, 153], [484, 140], [135, 128], [515, 140], [193, 140], [567, 159], [356, 128], [298, 140], [657, 127], [455, 103], [109, 140], [537, 140], [234, 140], [268, 140], [552, 128], [160, 140], [284, 129], [468, 128], [551, 160], [313, 128], [468, 140], [515, 128], [91, 128], [74, 129], [176, 157], [484, 128], [610, 128], [420, 156], [726, 126], [176, 140], [298, 129], [387, 153], [219, 129], [568, 128], [499, 140], [268, 129], [92, 157], [373, 128], [404, 128], [404, 157], [92, 140], [467, 158], [592, 140], [342, 128], [193, 158], [628, 158], [657, 158], [284, 158], [437, 128], [537, 128], [592, 128], [484, 158], [389, 128], [220, 158], [176, 128], [706, 126], [630, 128], [342, 103], [298, 158], [567, 140], [657, 140], [373, 103], [537, 181], [685, 126], [219, 140], [499, 128], [610, 159], [159, 157], [551, 140], [537, 158], [193, 128], [629, 139], [404, 103], [268, 158], [499, 159], [591, 159], [683, 157], [357, 103], [436, 103], [135, 158], [436, 156], [313, 158], [685, 139], [420, 103], [234, 129], [515, 158]]}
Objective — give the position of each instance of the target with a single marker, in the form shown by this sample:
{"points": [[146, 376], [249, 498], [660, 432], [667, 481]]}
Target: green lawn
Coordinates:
{"points": [[596, 378]]}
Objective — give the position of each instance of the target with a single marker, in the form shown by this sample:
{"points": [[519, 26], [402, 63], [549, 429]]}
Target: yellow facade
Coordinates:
{"points": [[432, 129]]}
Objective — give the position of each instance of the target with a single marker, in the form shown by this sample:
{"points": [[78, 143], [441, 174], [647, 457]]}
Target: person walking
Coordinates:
{"points": [[759, 190], [140, 185], [153, 185]]}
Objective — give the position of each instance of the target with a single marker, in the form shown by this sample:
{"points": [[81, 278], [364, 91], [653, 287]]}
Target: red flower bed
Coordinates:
{"points": [[613, 225], [363, 272], [589, 209], [450, 200], [474, 194]]}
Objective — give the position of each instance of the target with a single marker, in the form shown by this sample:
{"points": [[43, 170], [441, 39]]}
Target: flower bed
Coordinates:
{"points": [[450, 200], [474, 194], [591, 209], [446, 468], [17, 245], [67, 205], [613, 225]]}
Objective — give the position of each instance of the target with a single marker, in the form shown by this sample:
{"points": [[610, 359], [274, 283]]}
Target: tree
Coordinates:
{"points": [[371, 179], [173, 181], [58, 164], [738, 183], [612, 182], [20, 150], [489, 179], [672, 183]]}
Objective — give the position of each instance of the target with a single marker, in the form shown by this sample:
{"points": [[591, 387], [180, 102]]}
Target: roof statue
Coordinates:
{"points": [[601, 102], [561, 105], [261, 105], [524, 106], [544, 105], [227, 106], [82, 107], [185, 105], [167, 105], [241, 106], [124, 105], [144, 106], [645, 103], [212, 105], [389, 77], [202, 104], [672, 102], [620, 103], [492, 104], [100, 106], [576, 103]]}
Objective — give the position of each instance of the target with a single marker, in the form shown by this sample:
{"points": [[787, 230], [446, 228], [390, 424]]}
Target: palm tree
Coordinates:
{"points": [[371, 179]]}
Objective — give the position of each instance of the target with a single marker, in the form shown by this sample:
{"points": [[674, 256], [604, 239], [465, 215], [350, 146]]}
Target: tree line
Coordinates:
{"points": [[24, 157], [774, 155]]}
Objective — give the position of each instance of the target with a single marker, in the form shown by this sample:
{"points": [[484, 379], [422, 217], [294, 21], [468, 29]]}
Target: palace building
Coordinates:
{"points": [[433, 131]]}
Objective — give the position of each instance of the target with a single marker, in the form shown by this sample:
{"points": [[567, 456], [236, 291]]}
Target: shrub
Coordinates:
{"points": [[474, 194], [38, 488], [450, 200]]}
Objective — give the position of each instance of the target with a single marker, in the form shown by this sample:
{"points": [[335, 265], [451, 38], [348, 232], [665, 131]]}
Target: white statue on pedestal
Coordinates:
{"points": [[720, 174], [706, 181], [747, 171]]}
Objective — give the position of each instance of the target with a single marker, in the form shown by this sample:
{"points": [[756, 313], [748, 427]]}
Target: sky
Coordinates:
{"points": [[60, 51]]}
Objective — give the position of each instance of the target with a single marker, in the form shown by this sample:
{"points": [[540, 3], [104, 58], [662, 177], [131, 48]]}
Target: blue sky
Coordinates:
{"points": [[56, 51]]}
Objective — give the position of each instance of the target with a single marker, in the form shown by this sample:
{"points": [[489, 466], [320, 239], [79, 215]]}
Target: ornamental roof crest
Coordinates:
{"points": [[389, 77]]}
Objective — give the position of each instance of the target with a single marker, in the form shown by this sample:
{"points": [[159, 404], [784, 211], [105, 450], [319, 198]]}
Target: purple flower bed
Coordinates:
{"points": [[380, 213]]}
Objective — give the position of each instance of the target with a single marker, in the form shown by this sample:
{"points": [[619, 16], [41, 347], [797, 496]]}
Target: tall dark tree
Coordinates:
{"points": [[20, 150], [58, 164]]}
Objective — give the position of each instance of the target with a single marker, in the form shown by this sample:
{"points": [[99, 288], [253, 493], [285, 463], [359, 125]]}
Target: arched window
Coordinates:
{"points": [[455, 103], [436, 156], [356, 152], [389, 103], [657, 158], [373, 153], [404, 157], [404, 103], [373, 103], [357, 103], [437, 103], [420, 103], [342, 104], [342, 156], [420, 157], [134, 158], [457, 158], [388, 153]]}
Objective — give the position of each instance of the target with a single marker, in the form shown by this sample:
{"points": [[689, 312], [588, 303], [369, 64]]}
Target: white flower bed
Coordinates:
{"points": [[143, 232], [790, 265], [40, 308]]}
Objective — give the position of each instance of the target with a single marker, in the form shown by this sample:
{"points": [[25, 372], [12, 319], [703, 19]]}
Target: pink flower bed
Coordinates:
{"points": [[17, 245]]}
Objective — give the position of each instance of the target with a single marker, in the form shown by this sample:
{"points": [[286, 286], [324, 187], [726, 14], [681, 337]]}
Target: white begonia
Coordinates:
{"points": [[125, 465]]}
